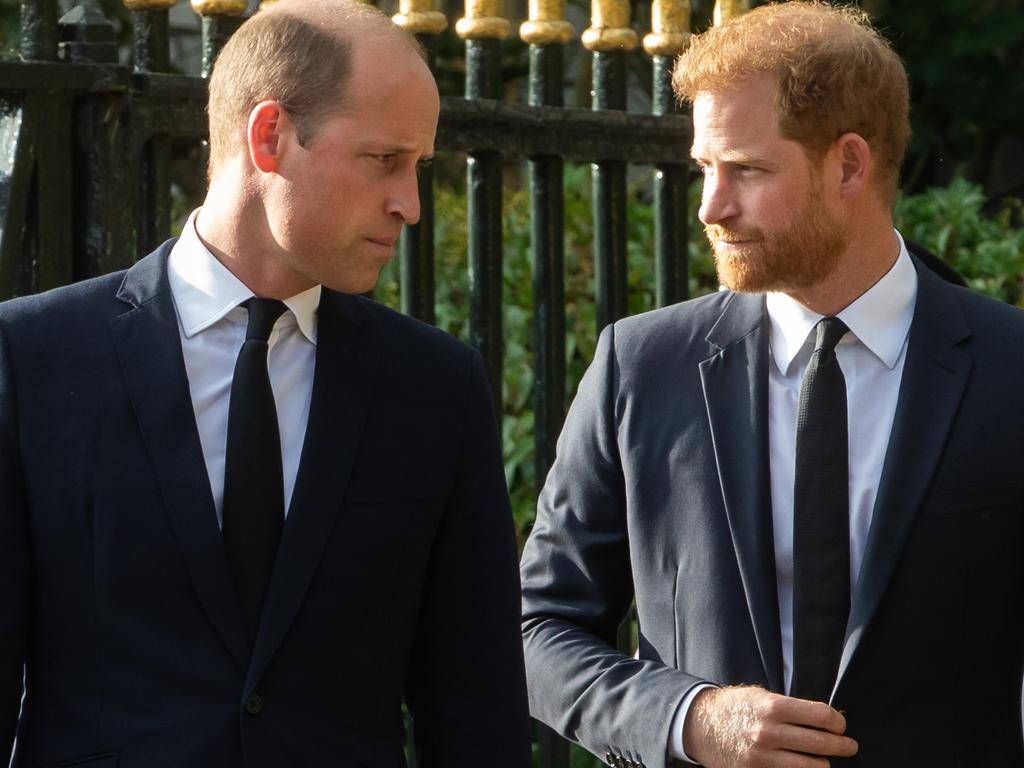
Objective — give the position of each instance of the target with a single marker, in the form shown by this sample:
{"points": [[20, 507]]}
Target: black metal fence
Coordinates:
{"points": [[85, 150]]}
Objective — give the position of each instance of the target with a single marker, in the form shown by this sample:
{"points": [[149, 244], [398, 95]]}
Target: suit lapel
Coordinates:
{"points": [[346, 368], [735, 382], [935, 376], [149, 348]]}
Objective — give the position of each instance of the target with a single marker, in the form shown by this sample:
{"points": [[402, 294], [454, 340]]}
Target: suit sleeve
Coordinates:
{"points": [[14, 564], [466, 687], [577, 587]]}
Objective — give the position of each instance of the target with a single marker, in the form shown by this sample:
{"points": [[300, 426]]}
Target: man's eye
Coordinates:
{"points": [[385, 159]]}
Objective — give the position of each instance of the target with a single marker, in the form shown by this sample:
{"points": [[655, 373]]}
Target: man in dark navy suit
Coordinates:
{"points": [[810, 483], [246, 513]]}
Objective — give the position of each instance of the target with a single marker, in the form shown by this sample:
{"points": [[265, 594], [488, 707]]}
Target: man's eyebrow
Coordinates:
{"points": [[390, 149], [735, 157]]}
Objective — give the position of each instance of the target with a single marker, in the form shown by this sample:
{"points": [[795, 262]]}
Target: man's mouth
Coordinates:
{"points": [[725, 239]]}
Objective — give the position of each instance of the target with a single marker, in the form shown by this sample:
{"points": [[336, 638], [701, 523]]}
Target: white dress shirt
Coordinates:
{"points": [[212, 326], [871, 356]]}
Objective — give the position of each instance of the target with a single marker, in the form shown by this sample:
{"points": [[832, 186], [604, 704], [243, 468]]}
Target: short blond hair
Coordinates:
{"points": [[297, 54], [836, 74]]}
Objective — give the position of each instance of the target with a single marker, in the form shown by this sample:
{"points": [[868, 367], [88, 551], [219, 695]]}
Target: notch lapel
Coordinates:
{"points": [[347, 358], [935, 376], [149, 349], [735, 383]]}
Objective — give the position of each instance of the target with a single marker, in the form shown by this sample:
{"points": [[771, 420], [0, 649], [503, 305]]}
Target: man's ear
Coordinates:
{"points": [[856, 162], [264, 132]]}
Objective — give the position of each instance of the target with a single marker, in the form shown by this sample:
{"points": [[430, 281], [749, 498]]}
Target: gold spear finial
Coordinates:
{"points": [[546, 24], [219, 7], [418, 17], [609, 27], [483, 19], [727, 9], [670, 28]]}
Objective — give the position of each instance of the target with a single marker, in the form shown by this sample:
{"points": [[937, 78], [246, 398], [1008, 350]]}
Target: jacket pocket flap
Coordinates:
{"points": [[975, 499]]}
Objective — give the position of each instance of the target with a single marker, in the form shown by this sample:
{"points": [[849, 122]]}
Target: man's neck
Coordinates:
{"points": [[236, 232]]}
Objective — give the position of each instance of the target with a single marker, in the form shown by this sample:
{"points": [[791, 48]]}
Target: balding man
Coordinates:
{"points": [[246, 513]]}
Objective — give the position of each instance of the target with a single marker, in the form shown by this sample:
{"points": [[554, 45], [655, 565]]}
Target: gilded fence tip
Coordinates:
{"points": [[547, 24], [148, 5], [219, 7], [727, 9], [483, 19], [670, 28], [418, 17], [609, 27]]}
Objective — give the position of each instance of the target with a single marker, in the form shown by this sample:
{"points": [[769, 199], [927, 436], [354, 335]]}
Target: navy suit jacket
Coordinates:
{"points": [[661, 492], [395, 579]]}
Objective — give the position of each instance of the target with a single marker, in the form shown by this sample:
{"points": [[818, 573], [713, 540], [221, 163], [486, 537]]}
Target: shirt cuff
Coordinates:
{"points": [[675, 742]]}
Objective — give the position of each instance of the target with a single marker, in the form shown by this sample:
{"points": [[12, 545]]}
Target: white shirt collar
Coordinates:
{"points": [[879, 318], [204, 290]]}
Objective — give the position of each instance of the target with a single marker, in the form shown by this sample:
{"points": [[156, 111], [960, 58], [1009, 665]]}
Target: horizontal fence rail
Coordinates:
{"points": [[86, 152]]}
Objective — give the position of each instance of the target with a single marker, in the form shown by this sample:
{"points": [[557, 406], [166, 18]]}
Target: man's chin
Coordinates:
{"points": [[354, 284], [742, 272]]}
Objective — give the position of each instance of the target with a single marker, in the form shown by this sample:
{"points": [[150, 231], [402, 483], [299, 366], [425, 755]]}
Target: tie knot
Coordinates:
{"points": [[829, 331], [263, 313]]}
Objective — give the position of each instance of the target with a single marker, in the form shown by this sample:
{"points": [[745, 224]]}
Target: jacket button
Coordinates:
{"points": [[254, 704]]}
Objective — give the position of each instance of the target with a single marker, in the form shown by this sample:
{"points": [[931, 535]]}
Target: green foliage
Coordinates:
{"points": [[965, 62], [452, 300], [988, 250], [965, 65]]}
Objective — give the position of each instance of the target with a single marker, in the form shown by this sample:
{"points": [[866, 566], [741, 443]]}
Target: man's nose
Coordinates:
{"points": [[404, 201], [717, 202]]}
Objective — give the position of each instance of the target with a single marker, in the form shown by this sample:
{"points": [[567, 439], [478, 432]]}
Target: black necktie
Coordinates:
{"points": [[821, 520], [253, 481]]}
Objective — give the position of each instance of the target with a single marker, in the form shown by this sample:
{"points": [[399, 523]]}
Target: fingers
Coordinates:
{"points": [[815, 714], [808, 741], [748, 727]]}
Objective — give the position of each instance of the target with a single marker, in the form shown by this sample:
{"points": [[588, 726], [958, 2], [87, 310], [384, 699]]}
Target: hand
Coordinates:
{"points": [[748, 727]]}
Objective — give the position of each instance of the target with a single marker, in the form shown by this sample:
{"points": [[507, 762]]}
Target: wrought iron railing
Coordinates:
{"points": [[85, 153]]}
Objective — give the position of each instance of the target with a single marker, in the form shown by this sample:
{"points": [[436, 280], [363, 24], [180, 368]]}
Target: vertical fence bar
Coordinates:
{"points": [[610, 38], [547, 32], [220, 20], [36, 162], [727, 9], [483, 29], [102, 219], [38, 30], [670, 23], [416, 254], [151, 53]]}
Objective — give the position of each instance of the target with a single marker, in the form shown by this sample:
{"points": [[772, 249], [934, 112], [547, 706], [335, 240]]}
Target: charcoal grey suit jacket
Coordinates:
{"points": [[660, 492]]}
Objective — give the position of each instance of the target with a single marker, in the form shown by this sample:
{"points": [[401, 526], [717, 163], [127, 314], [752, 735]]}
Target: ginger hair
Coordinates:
{"points": [[835, 74]]}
